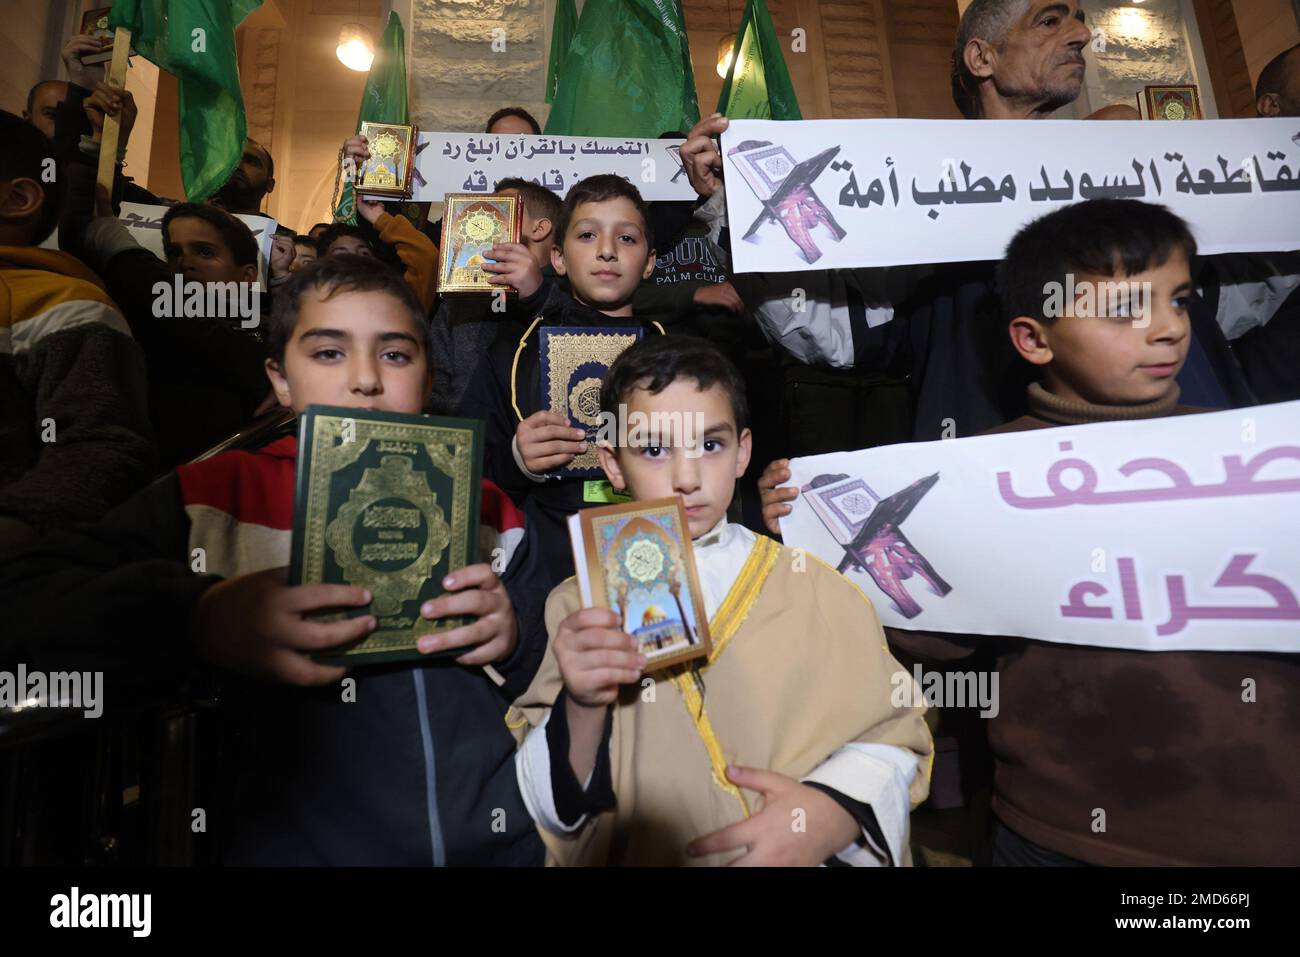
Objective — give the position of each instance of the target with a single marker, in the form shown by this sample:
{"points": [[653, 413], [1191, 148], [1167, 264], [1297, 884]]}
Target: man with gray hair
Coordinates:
{"points": [[1022, 59]]}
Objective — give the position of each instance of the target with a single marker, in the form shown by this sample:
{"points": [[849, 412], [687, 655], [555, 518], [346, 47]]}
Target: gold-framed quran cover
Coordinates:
{"points": [[389, 502], [388, 171], [638, 560], [472, 224], [1182, 102], [574, 361], [95, 23]]}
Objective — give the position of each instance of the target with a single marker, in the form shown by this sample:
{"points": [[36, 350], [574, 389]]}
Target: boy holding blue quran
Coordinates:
{"points": [[708, 696], [538, 389]]}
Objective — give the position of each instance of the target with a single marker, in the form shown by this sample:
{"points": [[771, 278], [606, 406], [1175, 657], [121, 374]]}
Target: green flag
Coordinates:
{"points": [[194, 40], [758, 85], [566, 22], [383, 100], [627, 72]]}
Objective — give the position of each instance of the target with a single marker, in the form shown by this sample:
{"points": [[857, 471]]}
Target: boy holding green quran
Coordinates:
{"points": [[782, 746], [403, 762]]}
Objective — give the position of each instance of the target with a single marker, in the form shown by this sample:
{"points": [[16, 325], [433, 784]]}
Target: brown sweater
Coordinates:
{"points": [[1162, 742]]}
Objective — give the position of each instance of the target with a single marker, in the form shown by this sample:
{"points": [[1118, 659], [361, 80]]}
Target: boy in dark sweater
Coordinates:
{"points": [[1186, 770], [410, 765], [604, 247]]}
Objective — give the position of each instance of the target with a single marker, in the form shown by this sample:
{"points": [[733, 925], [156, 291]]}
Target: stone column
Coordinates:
{"points": [[469, 58]]}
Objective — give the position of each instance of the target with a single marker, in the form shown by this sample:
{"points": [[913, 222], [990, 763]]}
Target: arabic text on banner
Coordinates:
{"points": [[1171, 534], [832, 194], [473, 162]]}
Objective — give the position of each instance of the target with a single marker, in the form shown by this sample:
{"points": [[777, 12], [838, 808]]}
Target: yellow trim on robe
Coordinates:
{"points": [[726, 622]]}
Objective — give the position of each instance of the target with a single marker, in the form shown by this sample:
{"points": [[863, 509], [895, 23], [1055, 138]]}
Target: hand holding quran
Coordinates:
{"points": [[596, 656], [547, 441], [477, 591], [257, 625], [512, 265], [389, 502], [638, 559]]}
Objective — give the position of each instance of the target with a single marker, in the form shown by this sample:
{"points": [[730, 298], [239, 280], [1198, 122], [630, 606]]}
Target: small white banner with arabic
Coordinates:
{"points": [[833, 194], [473, 162], [1171, 534]]}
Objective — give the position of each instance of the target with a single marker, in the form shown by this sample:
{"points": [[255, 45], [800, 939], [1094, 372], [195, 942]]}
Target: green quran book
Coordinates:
{"points": [[389, 502]]}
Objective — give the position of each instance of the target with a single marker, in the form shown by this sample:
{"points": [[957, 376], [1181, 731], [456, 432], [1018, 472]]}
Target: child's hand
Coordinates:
{"points": [[774, 499], [798, 826], [356, 150], [514, 266], [474, 590], [255, 624], [367, 210], [283, 253], [547, 441], [595, 657]]}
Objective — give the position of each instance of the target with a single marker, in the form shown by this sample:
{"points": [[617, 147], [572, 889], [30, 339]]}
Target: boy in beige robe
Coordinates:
{"points": [[786, 748]]}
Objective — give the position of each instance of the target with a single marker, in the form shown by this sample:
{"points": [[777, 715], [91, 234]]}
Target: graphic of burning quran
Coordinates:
{"points": [[869, 530], [638, 560], [784, 187]]}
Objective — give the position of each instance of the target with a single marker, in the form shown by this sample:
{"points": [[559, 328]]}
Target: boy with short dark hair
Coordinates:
{"points": [[414, 766], [603, 245], [204, 243], [793, 705], [1158, 739], [74, 433]]}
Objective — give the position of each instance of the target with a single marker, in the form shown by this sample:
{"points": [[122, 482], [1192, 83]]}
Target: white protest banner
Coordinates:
{"points": [[473, 162], [144, 220], [1171, 534], [833, 194]]}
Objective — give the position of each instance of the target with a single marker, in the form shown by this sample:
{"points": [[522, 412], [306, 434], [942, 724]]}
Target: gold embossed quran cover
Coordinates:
{"points": [[638, 559], [389, 502], [574, 361]]}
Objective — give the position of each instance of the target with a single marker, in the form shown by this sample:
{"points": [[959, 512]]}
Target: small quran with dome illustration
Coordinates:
{"points": [[638, 560], [388, 171], [472, 224]]}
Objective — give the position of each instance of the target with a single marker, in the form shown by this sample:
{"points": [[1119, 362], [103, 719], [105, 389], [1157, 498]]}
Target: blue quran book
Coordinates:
{"points": [[574, 362]]}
